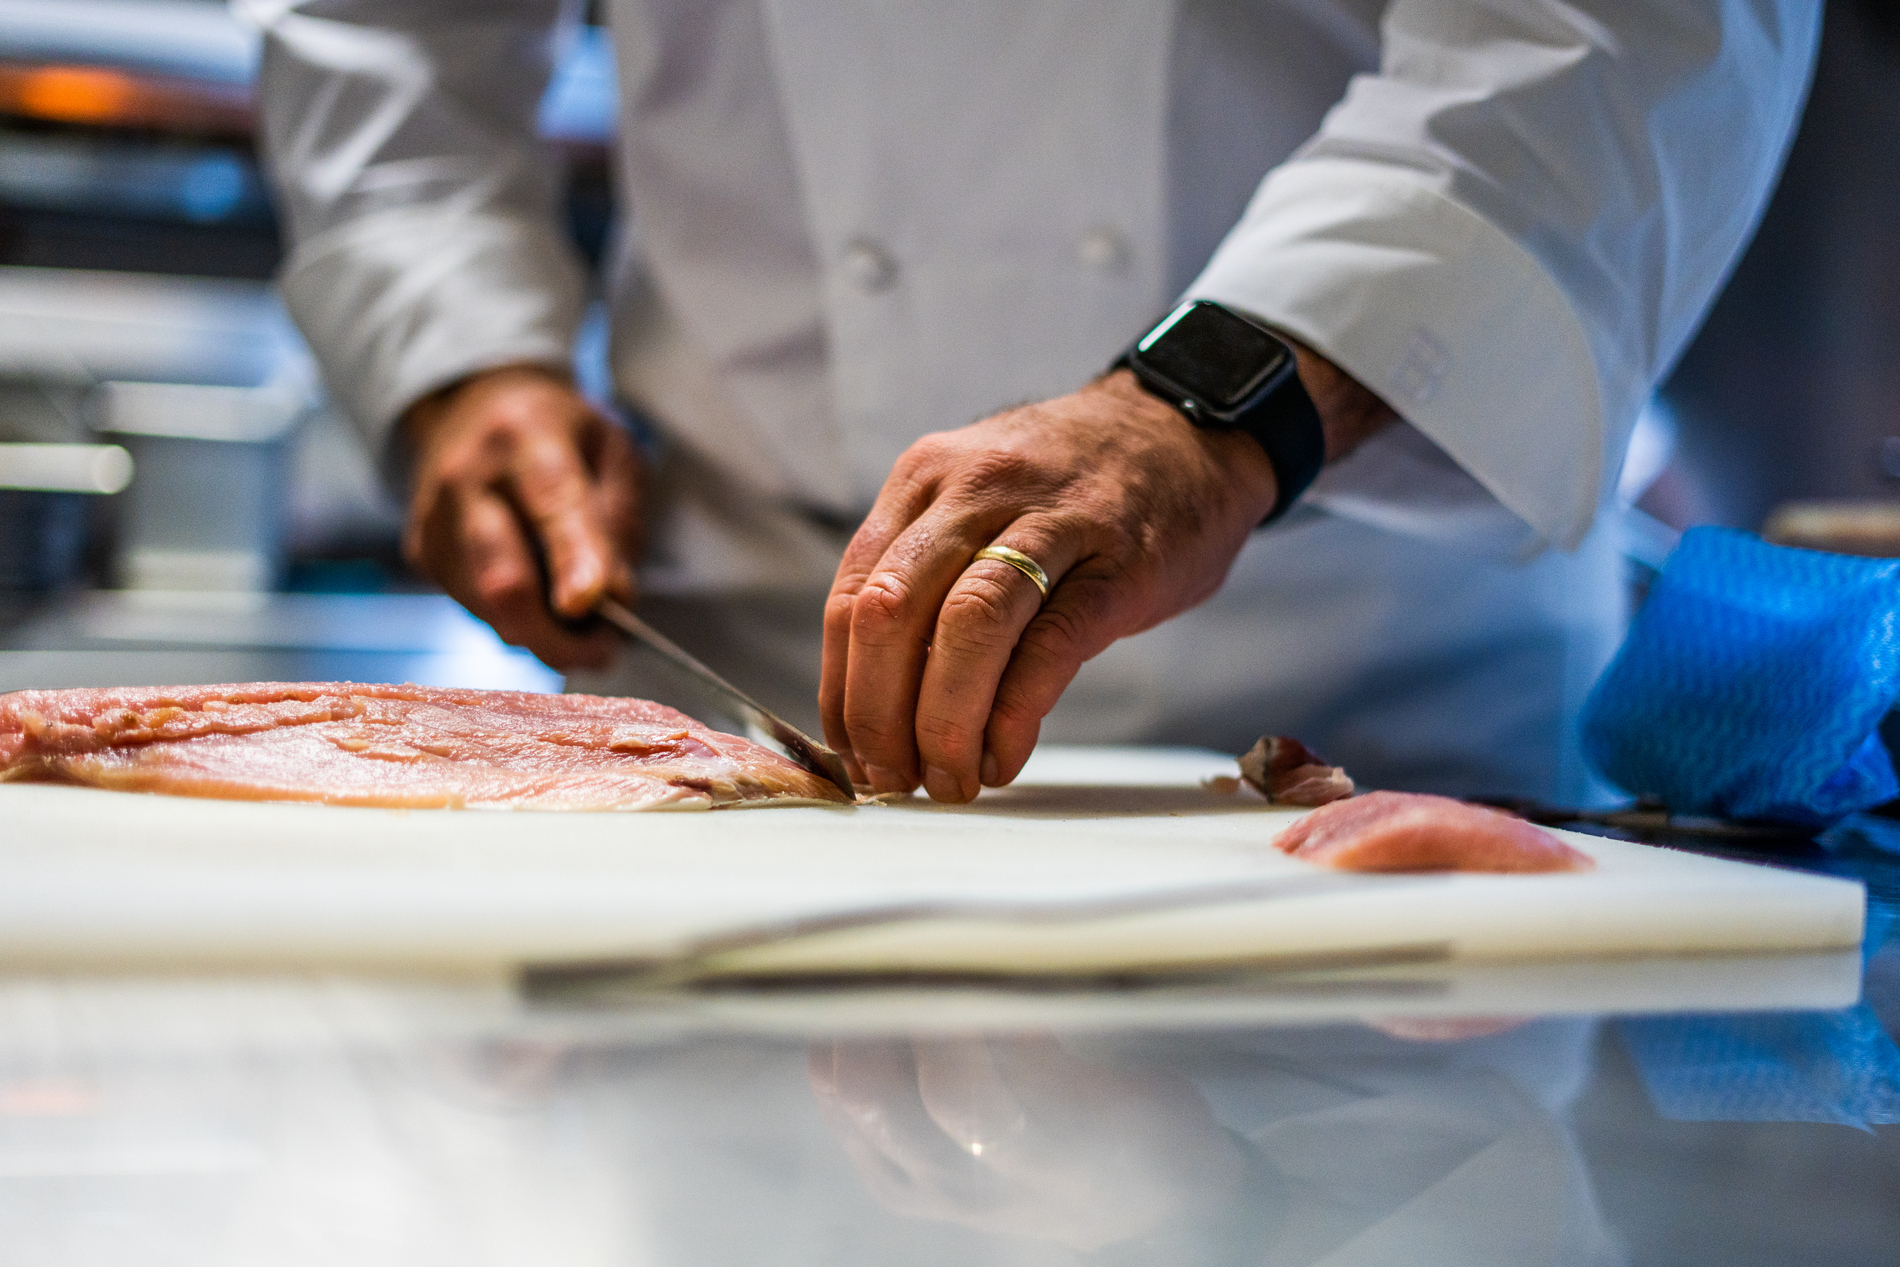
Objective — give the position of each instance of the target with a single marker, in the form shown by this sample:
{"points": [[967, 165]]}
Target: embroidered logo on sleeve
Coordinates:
{"points": [[1421, 368]]}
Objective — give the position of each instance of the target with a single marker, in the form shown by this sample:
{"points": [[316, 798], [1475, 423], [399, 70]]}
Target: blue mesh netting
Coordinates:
{"points": [[1775, 1067], [1752, 683]]}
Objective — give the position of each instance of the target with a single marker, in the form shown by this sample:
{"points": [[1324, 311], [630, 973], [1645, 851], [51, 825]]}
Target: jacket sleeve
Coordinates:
{"points": [[420, 206], [1511, 230]]}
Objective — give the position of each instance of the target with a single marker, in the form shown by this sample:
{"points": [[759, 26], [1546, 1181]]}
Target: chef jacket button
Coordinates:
{"points": [[869, 266], [1102, 249]]}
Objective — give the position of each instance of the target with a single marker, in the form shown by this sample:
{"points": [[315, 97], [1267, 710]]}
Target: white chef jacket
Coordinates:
{"points": [[855, 222]]}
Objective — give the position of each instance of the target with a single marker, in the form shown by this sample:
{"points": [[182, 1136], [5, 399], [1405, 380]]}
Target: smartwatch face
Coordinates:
{"points": [[1215, 355]]}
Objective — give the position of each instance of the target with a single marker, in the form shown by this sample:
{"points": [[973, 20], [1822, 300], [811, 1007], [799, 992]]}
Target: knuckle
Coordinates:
{"points": [[1077, 519], [1062, 631], [944, 736], [1013, 709], [880, 604], [461, 465], [845, 586], [1118, 540], [926, 451], [499, 588], [525, 408], [873, 735], [977, 613], [838, 611], [552, 472], [999, 468], [491, 445]]}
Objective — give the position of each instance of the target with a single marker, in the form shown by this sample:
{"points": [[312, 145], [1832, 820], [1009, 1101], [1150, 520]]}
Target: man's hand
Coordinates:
{"points": [[514, 468], [940, 670], [1017, 1137]]}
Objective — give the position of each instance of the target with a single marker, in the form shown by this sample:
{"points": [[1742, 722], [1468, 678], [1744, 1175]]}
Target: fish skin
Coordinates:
{"points": [[1413, 831], [389, 745], [1287, 772]]}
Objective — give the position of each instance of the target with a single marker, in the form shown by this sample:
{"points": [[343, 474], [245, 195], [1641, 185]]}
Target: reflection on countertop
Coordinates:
{"points": [[329, 1121], [319, 1120]]}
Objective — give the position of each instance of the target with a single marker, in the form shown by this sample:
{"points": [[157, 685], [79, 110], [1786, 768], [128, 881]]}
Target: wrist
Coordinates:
{"points": [[1237, 455], [1227, 370], [1349, 412], [1135, 401], [427, 415]]}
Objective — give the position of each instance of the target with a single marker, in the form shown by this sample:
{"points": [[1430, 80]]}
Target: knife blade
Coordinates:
{"points": [[801, 747]]}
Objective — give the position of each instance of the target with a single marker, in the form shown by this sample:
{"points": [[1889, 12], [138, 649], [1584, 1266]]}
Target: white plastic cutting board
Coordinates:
{"points": [[101, 878]]}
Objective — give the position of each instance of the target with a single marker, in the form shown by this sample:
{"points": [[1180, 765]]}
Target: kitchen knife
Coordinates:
{"points": [[1648, 821], [801, 747]]}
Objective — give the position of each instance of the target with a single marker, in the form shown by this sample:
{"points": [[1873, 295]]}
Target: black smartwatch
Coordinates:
{"points": [[1226, 371]]}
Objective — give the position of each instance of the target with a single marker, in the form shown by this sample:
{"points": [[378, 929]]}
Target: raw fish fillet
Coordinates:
{"points": [[1409, 831], [414, 747]]}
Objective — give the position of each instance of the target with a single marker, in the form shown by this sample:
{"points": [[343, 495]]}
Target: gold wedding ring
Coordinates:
{"points": [[1021, 562]]}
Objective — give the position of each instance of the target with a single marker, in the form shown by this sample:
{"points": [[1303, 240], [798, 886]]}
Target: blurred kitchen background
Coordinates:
{"points": [[178, 502]]}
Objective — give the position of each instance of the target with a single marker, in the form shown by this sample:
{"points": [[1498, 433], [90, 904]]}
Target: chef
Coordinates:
{"points": [[1383, 287]]}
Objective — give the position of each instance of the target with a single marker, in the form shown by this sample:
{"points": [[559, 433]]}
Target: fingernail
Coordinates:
{"points": [[941, 786], [988, 772]]}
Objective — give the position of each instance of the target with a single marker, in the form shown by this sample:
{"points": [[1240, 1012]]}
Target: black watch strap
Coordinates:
{"points": [[1281, 418], [1288, 427]]}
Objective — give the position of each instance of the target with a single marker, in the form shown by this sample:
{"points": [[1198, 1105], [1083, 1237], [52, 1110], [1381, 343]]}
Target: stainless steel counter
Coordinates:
{"points": [[353, 1121], [332, 1122], [338, 1120]]}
